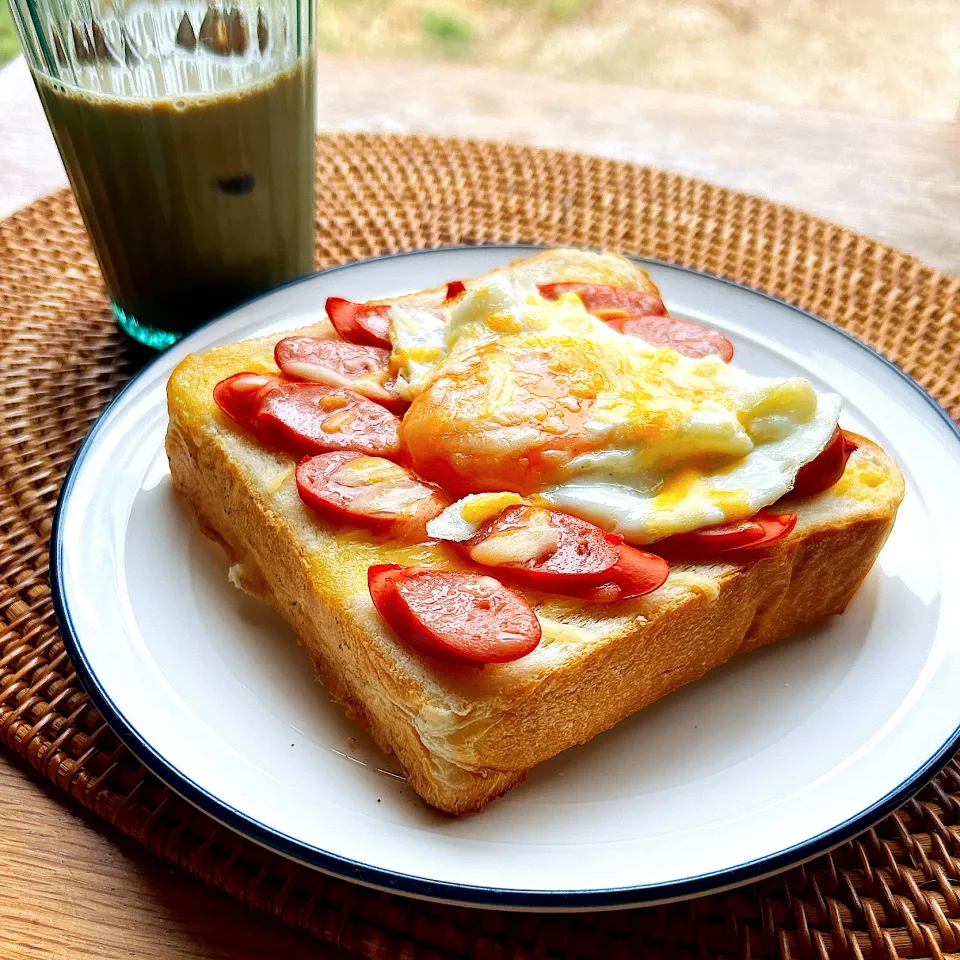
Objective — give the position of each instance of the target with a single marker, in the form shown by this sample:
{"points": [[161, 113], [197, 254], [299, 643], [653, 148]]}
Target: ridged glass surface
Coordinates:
{"points": [[187, 134]]}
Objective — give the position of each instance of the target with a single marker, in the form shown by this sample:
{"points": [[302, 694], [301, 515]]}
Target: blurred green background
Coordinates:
{"points": [[899, 57], [8, 39]]}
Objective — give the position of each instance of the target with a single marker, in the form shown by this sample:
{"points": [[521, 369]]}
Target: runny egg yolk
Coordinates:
{"points": [[512, 415], [681, 485], [486, 505]]}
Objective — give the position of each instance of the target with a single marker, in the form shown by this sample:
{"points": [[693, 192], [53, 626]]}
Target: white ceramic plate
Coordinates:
{"points": [[766, 762]]}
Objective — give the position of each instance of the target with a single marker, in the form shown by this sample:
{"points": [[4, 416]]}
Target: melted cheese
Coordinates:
{"points": [[276, 482]]}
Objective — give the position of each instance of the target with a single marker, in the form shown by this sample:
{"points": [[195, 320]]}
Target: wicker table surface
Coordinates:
{"points": [[893, 179], [68, 888]]}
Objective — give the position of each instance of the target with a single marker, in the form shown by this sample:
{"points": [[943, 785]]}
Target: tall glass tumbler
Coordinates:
{"points": [[187, 132]]}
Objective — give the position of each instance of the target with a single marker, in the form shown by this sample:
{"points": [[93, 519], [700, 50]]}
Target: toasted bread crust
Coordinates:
{"points": [[266, 564], [464, 736]]}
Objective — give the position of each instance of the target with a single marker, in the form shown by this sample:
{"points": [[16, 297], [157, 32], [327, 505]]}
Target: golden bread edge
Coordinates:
{"points": [[268, 565]]}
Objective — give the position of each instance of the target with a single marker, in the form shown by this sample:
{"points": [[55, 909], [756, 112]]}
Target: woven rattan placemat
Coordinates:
{"points": [[893, 892]]}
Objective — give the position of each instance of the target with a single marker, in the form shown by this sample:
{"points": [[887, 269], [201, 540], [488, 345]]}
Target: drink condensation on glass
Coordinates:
{"points": [[187, 132]]}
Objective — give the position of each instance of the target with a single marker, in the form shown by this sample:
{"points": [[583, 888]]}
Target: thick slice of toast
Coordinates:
{"points": [[465, 735]]}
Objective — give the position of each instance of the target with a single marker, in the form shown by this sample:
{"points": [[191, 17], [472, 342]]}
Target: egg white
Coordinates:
{"points": [[630, 506], [419, 341], [461, 520]]}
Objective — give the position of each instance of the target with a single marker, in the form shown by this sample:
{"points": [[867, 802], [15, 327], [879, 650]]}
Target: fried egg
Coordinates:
{"points": [[461, 520], [514, 394]]}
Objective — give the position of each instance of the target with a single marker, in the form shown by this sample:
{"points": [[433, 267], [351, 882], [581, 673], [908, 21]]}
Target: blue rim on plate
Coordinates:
{"points": [[483, 896]]}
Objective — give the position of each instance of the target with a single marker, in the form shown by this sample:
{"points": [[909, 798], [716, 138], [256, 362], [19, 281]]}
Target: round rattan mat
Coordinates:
{"points": [[893, 892]]}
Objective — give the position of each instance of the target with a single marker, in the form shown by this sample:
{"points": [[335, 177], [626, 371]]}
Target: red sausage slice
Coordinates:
{"points": [[545, 548], [368, 491], [775, 526], [826, 469], [239, 396], [452, 615], [304, 418], [363, 323], [337, 363], [635, 574], [308, 418], [690, 339], [602, 296], [710, 540], [730, 540], [638, 313]]}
